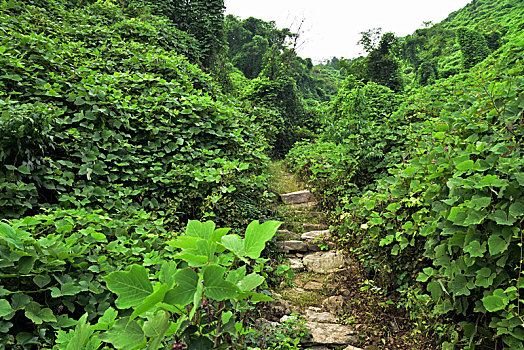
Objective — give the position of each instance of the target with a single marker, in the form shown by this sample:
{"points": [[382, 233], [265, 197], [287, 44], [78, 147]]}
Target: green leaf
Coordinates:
{"points": [[125, 334], [435, 289], [234, 244], [187, 281], [5, 308], [502, 218], [259, 297], [257, 235], [35, 313], [11, 236], [215, 287], [485, 277], [520, 178], [235, 276], [199, 229], [41, 281], [167, 273], [496, 302], [106, 321], [150, 301], [475, 249], [250, 282], [517, 208], [132, 286], [497, 244], [219, 233], [156, 327], [184, 242], [24, 169], [474, 218], [157, 324], [81, 335], [459, 286], [465, 165]]}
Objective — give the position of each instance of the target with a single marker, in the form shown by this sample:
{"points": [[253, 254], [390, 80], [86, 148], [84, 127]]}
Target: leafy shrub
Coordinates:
{"points": [[90, 117], [450, 215], [53, 266], [66, 264]]}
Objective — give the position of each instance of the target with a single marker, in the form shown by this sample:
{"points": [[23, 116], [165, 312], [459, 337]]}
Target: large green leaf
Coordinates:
{"points": [[257, 235], [156, 327], [199, 229], [502, 218], [81, 335], [35, 313], [496, 302], [459, 286], [517, 208], [183, 293], [250, 282], [235, 244], [125, 334], [5, 308], [497, 244], [215, 286], [132, 286], [167, 273], [151, 300]]}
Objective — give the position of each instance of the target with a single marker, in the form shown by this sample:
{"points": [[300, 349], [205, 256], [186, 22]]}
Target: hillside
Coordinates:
{"points": [[134, 133]]}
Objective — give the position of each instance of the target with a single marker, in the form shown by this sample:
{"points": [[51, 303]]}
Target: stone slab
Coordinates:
{"points": [[320, 317], [316, 235], [330, 334], [292, 246], [325, 262], [296, 197]]}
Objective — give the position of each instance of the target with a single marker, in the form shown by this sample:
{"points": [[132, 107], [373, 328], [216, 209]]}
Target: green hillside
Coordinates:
{"points": [[130, 130]]}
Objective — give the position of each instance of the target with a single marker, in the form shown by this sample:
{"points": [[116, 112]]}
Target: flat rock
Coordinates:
{"points": [[320, 317], [351, 347], [285, 235], [329, 334], [292, 246], [325, 262], [296, 264], [313, 285], [296, 197], [316, 235]]}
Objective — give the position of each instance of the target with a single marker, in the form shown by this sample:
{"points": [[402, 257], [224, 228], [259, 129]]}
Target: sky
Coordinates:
{"points": [[332, 27]]}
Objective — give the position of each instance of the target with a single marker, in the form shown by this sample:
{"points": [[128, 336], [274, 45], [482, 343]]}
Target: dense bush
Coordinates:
{"points": [[97, 115], [449, 215]]}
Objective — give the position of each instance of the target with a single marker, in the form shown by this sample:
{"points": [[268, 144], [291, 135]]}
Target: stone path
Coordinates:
{"points": [[316, 291]]}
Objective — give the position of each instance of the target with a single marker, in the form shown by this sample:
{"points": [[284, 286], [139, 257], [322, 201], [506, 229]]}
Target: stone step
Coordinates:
{"points": [[302, 206], [325, 262], [292, 246], [330, 334], [296, 264], [318, 236], [298, 197], [286, 235]]}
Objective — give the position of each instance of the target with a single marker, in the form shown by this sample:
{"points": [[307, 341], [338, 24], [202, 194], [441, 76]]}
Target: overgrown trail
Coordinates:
{"points": [[342, 308], [316, 291]]}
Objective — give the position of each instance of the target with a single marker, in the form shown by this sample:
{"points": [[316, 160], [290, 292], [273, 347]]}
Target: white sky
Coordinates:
{"points": [[332, 27]]}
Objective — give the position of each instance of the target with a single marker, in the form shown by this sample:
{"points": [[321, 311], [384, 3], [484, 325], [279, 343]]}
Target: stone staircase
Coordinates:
{"points": [[316, 292]]}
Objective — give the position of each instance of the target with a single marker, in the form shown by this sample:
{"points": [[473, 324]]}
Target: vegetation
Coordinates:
{"points": [[432, 205], [124, 126]]}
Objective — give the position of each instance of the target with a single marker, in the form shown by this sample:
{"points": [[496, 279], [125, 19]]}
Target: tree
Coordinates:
{"points": [[382, 66], [473, 45]]}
